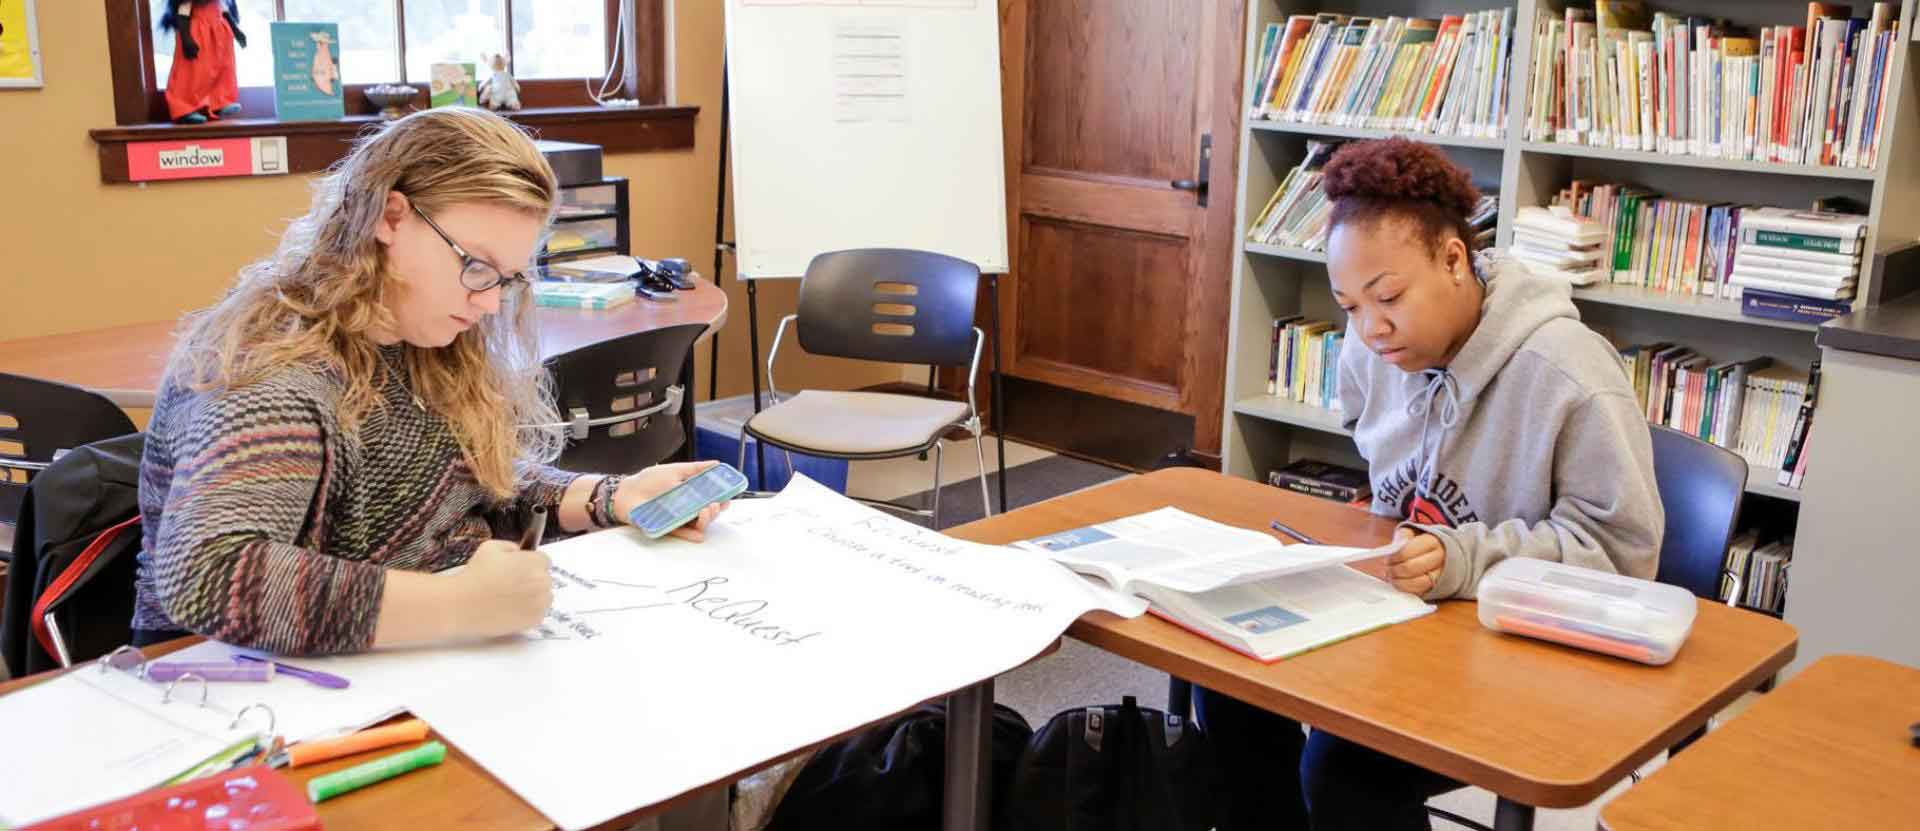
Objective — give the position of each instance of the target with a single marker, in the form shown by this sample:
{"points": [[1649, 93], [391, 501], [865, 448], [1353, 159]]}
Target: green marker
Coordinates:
{"points": [[323, 788]]}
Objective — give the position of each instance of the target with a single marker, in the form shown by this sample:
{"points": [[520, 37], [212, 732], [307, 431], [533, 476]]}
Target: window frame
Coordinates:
{"points": [[558, 108]]}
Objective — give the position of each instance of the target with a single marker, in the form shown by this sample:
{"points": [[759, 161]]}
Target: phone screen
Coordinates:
{"points": [[667, 510]]}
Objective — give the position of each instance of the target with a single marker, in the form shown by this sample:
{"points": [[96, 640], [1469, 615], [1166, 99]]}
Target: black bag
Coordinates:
{"points": [[891, 777], [74, 558], [1128, 767]]}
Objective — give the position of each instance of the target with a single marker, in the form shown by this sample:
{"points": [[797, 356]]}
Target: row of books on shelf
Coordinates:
{"points": [[1817, 94], [1757, 408], [1297, 213], [1629, 235], [1304, 363], [1419, 75], [1755, 575]]}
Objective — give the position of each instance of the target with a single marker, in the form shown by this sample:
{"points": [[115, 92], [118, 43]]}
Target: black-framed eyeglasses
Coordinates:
{"points": [[476, 274]]}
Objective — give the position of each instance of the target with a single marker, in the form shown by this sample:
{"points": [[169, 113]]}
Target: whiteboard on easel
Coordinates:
{"points": [[865, 124]]}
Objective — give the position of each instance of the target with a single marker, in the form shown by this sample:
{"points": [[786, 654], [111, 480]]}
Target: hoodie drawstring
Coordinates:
{"points": [[1443, 389]]}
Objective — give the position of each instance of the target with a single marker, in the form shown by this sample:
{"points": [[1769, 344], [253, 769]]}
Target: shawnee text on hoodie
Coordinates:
{"points": [[1531, 444]]}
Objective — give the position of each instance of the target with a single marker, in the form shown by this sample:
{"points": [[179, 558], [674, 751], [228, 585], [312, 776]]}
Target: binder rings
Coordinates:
{"points": [[104, 731]]}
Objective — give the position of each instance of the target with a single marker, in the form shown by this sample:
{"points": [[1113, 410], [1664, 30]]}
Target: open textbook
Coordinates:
{"points": [[1239, 587], [1173, 549]]}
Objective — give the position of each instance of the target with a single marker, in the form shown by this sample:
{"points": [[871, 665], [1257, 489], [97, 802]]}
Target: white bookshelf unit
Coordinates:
{"points": [[1262, 432]]}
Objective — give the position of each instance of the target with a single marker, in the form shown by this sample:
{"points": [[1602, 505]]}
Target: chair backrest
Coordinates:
{"points": [[1701, 485], [39, 418], [622, 375], [889, 304]]}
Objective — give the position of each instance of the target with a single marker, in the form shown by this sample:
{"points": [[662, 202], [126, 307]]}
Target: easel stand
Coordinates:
{"points": [[723, 246]]}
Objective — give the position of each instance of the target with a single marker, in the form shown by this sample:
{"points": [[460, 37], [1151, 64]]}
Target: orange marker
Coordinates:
{"points": [[309, 752]]}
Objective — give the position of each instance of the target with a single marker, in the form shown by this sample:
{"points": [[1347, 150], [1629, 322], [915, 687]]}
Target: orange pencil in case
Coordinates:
{"points": [[310, 752], [1592, 643], [1626, 617]]}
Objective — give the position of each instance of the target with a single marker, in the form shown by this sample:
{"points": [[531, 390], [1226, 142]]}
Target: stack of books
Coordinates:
{"points": [[1416, 75], [582, 295], [1296, 215], [1754, 407], [1817, 94], [1755, 575], [1485, 219], [1325, 480], [1667, 245], [1799, 253], [1304, 366], [1557, 243]]}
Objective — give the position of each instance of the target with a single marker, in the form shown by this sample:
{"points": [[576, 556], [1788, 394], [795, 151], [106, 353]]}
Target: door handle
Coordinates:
{"points": [[1198, 185]]}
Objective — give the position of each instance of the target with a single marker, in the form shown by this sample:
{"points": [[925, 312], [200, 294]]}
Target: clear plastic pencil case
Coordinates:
{"points": [[1639, 620]]}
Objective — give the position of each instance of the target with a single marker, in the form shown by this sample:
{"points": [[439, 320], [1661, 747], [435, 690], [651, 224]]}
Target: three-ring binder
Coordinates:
{"points": [[110, 662]]}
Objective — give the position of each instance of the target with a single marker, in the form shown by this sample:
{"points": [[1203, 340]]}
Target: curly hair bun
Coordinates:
{"points": [[1398, 169]]}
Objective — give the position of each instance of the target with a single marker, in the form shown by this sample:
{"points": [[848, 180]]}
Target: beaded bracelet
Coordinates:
{"points": [[600, 502]]}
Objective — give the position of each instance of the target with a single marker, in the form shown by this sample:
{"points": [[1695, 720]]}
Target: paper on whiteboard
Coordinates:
{"points": [[665, 666], [870, 70]]}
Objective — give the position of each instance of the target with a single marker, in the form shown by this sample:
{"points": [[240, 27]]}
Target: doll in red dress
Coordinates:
{"points": [[202, 83]]}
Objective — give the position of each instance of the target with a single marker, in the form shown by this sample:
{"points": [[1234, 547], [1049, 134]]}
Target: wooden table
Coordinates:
{"points": [[1830, 748], [455, 794], [125, 363], [1538, 724]]}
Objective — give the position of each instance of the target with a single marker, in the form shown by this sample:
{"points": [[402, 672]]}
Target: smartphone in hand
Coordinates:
{"points": [[661, 514]]}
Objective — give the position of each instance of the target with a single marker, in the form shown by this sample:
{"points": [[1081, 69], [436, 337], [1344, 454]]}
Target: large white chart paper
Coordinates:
{"points": [[665, 666]]}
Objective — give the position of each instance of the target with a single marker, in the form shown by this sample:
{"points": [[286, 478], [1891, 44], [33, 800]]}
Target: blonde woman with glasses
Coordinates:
{"points": [[345, 422]]}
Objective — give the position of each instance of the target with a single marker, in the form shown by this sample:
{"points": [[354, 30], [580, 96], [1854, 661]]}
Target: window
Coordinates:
{"points": [[550, 38], [559, 50]]}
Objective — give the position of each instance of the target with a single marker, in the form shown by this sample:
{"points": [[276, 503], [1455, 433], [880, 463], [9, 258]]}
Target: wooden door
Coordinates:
{"points": [[1114, 109]]}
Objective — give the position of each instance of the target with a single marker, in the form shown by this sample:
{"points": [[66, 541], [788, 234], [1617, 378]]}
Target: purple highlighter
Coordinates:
{"points": [[164, 671], [312, 676]]}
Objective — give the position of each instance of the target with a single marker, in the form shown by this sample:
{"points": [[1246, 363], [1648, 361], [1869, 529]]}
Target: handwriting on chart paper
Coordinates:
{"points": [[887, 535], [705, 597]]}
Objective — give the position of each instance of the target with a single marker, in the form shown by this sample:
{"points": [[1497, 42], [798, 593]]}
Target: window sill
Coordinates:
{"points": [[313, 145]]}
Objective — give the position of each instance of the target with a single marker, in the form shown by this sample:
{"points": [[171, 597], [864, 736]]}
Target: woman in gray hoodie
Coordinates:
{"points": [[1494, 424]]}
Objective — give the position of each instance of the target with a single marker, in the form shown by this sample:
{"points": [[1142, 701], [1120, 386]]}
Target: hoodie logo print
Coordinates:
{"points": [[1439, 501]]}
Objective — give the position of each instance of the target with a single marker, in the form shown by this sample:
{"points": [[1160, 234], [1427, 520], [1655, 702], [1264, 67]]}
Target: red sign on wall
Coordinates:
{"points": [[149, 161]]}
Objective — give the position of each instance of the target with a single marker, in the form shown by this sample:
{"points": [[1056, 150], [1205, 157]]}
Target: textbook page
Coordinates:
{"points": [[1177, 550]]}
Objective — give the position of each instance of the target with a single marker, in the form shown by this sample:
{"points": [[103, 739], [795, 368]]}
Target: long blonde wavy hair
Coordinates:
{"points": [[328, 284]]}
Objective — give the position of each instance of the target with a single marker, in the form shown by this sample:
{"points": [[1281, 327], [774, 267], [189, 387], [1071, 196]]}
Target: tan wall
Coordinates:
{"points": [[76, 254]]}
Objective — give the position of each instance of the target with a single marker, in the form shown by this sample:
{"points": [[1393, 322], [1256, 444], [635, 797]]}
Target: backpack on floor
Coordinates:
{"points": [[891, 777], [1124, 768]]}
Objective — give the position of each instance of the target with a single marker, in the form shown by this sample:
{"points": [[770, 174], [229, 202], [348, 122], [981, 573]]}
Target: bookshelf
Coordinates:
{"points": [[1262, 432]]}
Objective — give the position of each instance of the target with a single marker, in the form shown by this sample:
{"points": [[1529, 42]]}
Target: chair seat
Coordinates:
{"points": [[856, 423]]}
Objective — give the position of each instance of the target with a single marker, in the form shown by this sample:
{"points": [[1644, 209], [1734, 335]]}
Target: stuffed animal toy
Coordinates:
{"points": [[202, 84], [500, 91]]}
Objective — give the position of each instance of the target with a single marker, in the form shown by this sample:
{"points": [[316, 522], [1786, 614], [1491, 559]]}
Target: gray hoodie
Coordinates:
{"points": [[1531, 444]]}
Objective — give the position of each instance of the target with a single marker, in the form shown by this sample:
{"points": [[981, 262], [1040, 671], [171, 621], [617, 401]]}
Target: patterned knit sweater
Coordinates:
{"points": [[267, 525]]}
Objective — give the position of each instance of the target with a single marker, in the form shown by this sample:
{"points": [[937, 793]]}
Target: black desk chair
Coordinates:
{"points": [[38, 419], [622, 400], [880, 304]]}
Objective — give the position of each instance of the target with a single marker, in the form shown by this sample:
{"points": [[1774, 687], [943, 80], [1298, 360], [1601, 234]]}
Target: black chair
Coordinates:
{"points": [[38, 419], [622, 400], [880, 304]]}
